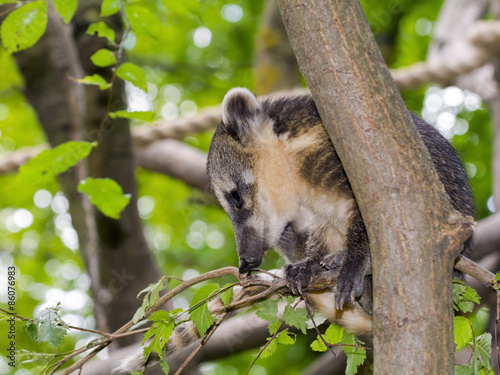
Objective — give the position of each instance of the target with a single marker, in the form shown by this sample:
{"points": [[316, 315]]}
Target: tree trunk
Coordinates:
{"points": [[117, 256], [414, 232]]}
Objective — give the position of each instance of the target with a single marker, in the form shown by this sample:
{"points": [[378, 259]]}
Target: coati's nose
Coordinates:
{"points": [[247, 264]]}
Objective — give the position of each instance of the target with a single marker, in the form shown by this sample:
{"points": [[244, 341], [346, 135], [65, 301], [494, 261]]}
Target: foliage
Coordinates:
{"points": [[106, 195], [47, 326]]}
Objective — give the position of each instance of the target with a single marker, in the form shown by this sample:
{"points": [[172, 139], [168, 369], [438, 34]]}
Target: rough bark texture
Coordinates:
{"points": [[414, 233]]}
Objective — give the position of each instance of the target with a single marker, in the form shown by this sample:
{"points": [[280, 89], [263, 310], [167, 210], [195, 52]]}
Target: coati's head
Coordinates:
{"points": [[249, 171]]}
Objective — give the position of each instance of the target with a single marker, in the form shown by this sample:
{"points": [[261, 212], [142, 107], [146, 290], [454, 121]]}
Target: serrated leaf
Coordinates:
{"points": [[355, 356], [318, 319], [268, 310], [482, 351], [274, 326], [143, 21], [134, 74], [95, 80], [269, 349], [106, 195], [102, 30], [103, 57], [318, 345], [164, 365], [471, 295], [463, 370], [139, 115], [66, 9], [201, 316], [161, 332], [284, 338], [463, 331], [47, 326], [49, 163], [296, 318], [23, 27], [139, 314], [109, 7], [333, 335], [227, 296]]}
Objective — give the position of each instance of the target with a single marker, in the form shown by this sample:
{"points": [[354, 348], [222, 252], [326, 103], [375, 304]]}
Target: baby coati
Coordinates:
{"points": [[275, 172]]}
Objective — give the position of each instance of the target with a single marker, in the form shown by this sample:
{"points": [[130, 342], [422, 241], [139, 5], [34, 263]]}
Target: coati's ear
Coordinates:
{"points": [[241, 112]]}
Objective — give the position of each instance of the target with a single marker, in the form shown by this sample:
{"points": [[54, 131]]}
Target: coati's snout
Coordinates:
{"points": [[251, 248]]}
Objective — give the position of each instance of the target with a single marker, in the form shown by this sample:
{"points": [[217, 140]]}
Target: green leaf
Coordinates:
{"points": [[274, 326], [8, 1], [227, 296], [95, 80], [333, 335], [103, 57], [464, 297], [201, 316], [49, 163], [318, 345], [66, 9], [284, 338], [161, 332], [47, 326], [106, 195], [23, 27], [139, 115], [482, 352], [269, 349], [102, 30], [164, 365], [355, 356], [296, 318], [109, 7], [143, 21], [187, 7], [463, 331], [134, 74], [268, 310], [463, 370]]}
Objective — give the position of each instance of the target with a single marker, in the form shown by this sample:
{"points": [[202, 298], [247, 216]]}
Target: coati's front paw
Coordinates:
{"points": [[348, 288], [299, 275]]}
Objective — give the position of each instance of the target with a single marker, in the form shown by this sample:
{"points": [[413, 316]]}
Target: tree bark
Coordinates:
{"points": [[414, 232]]}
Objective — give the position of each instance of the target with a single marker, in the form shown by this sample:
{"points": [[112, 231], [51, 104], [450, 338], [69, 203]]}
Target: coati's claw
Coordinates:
{"points": [[299, 275], [348, 289], [332, 261]]}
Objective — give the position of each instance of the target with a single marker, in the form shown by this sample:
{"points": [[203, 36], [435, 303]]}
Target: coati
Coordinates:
{"points": [[276, 173]]}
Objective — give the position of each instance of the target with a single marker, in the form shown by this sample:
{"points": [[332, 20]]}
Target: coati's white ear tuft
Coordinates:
{"points": [[241, 111]]}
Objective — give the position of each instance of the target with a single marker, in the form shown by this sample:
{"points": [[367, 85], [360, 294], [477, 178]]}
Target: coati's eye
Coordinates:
{"points": [[237, 199]]}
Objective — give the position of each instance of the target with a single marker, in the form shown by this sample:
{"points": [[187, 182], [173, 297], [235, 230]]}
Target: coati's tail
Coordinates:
{"points": [[183, 336], [186, 333]]}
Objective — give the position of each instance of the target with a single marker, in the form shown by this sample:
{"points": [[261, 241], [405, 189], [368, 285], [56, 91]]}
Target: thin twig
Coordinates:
{"points": [[309, 312], [263, 348]]}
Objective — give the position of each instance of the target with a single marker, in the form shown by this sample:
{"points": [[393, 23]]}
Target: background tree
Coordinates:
{"points": [[191, 53]]}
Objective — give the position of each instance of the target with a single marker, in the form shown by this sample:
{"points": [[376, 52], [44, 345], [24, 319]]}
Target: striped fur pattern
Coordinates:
{"points": [[276, 173]]}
